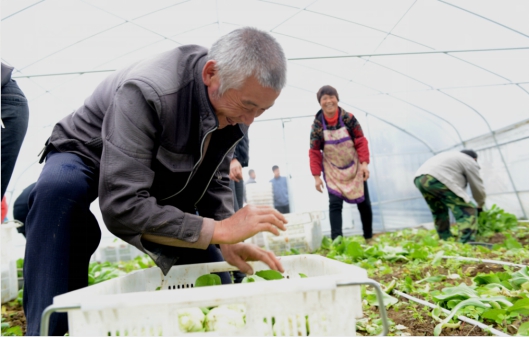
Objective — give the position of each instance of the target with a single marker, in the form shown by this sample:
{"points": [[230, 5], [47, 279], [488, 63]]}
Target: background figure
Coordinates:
{"points": [[251, 173], [21, 208], [240, 160], [15, 116], [280, 188], [338, 145], [4, 210], [442, 181]]}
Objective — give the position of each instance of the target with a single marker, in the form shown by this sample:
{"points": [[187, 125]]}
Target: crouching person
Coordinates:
{"points": [[442, 180], [154, 142]]}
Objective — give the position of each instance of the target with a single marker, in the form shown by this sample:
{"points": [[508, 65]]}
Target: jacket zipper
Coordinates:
{"points": [[192, 171], [215, 171]]}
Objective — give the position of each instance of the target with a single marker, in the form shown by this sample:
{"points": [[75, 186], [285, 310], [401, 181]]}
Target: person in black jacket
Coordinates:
{"points": [[240, 160], [15, 119]]}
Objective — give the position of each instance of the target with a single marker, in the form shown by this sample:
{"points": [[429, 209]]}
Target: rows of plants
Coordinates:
{"points": [[413, 261]]}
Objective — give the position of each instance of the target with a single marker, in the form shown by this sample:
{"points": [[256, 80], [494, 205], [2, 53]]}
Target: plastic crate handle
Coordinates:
{"points": [[381, 306], [45, 319]]}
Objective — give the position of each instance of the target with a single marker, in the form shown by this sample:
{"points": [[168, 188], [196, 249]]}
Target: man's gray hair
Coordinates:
{"points": [[247, 52]]}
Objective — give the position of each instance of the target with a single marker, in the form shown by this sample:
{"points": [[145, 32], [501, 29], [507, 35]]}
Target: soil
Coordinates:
{"points": [[14, 315], [497, 238], [424, 326], [474, 270]]}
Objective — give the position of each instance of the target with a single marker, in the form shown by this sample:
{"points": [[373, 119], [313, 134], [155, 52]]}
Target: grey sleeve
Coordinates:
{"points": [[128, 209], [475, 182]]}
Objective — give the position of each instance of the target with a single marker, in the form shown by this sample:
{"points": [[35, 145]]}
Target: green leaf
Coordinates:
{"points": [[496, 315], [354, 250], [461, 291], [520, 277], [13, 331], [421, 254], [269, 274], [207, 280], [433, 279], [511, 243], [337, 241], [437, 330], [520, 305], [302, 275], [20, 263], [486, 279], [326, 243], [523, 330], [430, 241], [388, 300]]}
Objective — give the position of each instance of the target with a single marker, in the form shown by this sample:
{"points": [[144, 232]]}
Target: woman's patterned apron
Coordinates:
{"points": [[341, 164]]}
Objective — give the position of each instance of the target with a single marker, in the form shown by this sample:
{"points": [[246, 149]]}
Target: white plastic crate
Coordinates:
{"points": [[303, 234], [130, 305], [9, 262]]}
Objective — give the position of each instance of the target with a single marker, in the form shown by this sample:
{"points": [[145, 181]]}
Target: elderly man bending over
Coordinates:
{"points": [[154, 143]]}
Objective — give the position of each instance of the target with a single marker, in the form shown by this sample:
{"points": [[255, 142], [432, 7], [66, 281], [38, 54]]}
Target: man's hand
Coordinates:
{"points": [[318, 183], [235, 170], [238, 254], [247, 222], [363, 171]]}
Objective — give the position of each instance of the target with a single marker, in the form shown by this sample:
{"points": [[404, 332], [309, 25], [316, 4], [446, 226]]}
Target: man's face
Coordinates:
{"points": [[276, 173], [252, 175], [241, 105]]}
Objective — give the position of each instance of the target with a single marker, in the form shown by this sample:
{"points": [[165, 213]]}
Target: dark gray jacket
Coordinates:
{"points": [[242, 151], [144, 127]]}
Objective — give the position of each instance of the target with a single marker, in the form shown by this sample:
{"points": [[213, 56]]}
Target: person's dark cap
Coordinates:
{"points": [[327, 90], [470, 153]]}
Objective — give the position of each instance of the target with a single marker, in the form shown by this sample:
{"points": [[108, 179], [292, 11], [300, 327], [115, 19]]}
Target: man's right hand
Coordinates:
{"points": [[246, 223], [318, 183]]}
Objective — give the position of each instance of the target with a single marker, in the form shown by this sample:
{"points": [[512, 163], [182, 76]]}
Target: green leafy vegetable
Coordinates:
{"points": [[269, 274], [208, 280]]}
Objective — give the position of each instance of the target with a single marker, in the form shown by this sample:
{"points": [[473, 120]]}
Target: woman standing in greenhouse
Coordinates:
{"points": [[338, 146]]}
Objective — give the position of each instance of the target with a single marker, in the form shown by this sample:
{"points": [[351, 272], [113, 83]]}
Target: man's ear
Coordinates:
{"points": [[209, 73]]}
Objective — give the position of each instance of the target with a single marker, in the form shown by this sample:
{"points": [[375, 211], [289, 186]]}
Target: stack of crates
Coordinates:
{"points": [[260, 194], [119, 251]]}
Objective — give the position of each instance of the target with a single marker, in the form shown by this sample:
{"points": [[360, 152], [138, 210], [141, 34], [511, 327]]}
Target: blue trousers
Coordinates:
{"points": [[15, 117], [62, 234]]}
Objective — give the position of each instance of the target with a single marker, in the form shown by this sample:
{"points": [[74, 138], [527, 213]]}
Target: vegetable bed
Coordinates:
{"points": [[412, 262]]}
